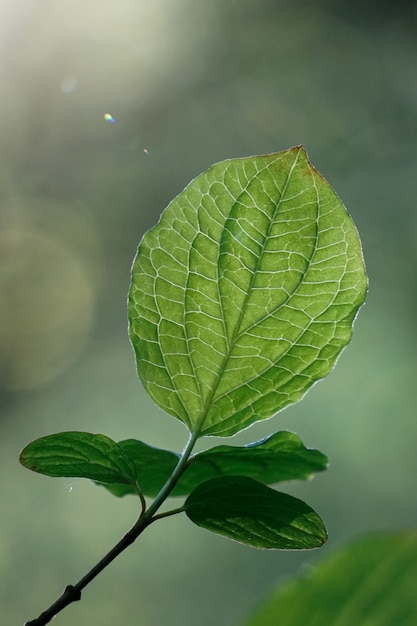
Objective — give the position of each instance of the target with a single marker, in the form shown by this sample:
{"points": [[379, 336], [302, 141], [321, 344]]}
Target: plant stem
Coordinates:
{"points": [[168, 513], [72, 593]]}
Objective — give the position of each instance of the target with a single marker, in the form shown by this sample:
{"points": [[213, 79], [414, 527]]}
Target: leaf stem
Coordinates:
{"points": [[141, 497], [181, 509], [72, 593]]}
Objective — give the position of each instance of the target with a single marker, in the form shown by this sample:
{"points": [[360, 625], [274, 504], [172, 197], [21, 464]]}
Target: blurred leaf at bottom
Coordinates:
{"points": [[371, 582]]}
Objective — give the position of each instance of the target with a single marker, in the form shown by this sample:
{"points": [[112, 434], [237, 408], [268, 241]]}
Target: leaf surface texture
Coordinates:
{"points": [[244, 293]]}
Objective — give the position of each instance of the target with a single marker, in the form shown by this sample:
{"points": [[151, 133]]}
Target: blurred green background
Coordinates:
{"points": [[189, 83]]}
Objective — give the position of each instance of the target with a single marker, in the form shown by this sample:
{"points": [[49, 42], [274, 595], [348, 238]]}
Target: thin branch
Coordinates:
{"points": [[181, 509], [72, 593]]}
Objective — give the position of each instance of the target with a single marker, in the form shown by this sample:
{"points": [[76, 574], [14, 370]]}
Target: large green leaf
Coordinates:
{"points": [[281, 456], [249, 512], [79, 454], [244, 293], [371, 582]]}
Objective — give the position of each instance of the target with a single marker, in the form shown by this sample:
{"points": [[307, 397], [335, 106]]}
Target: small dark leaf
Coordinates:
{"points": [[79, 454], [249, 512], [153, 466]]}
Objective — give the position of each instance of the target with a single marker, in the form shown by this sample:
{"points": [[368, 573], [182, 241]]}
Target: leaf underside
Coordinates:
{"points": [[245, 292], [369, 582], [247, 511]]}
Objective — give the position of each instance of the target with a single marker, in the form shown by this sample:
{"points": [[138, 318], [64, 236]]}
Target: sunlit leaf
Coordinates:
{"points": [[371, 582], [79, 454], [249, 512], [245, 292]]}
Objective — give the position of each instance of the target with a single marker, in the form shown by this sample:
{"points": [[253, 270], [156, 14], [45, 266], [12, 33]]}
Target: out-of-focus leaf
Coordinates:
{"points": [[79, 454], [371, 582], [249, 512], [244, 293]]}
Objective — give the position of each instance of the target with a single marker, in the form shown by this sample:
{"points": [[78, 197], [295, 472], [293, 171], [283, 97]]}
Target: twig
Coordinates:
{"points": [[72, 593]]}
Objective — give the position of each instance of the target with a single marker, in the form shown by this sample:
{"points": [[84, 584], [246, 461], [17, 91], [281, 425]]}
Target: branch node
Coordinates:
{"points": [[73, 592]]}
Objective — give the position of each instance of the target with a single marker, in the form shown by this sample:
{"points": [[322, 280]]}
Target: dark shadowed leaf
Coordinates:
{"points": [[79, 454], [371, 582], [249, 512], [280, 457], [244, 294], [153, 467]]}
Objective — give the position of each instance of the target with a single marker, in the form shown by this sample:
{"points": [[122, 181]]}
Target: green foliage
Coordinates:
{"points": [[247, 511], [122, 467], [370, 582], [245, 292], [78, 454], [242, 296], [280, 457]]}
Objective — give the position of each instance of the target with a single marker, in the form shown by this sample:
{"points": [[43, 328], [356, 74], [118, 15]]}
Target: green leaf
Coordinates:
{"points": [[79, 454], [245, 292], [249, 512], [371, 582], [153, 467], [281, 456], [119, 490]]}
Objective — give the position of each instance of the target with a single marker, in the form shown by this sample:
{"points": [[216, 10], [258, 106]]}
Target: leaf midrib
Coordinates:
{"points": [[230, 345], [291, 344]]}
